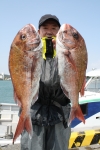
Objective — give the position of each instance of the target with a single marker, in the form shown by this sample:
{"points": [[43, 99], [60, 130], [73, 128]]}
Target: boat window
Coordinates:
{"points": [[94, 85]]}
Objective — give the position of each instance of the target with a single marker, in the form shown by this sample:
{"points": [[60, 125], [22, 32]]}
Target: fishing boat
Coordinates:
{"points": [[90, 105], [90, 102]]}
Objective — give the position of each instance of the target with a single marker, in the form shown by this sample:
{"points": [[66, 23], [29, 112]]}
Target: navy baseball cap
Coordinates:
{"points": [[46, 17]]}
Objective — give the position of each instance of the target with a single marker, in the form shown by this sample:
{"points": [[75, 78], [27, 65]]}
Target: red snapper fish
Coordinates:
{"points": [[25, 68], [72, 63]]}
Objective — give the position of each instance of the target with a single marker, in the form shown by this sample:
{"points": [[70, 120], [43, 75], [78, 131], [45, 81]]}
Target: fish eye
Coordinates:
{"points": [[75, 35], [23, 37], [34, 32], [65, 31]]}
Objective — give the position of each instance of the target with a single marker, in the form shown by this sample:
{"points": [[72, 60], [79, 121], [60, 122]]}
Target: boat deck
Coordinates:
{"points": [[11, 147], [17, 147], [76, 141], [80, 137]]}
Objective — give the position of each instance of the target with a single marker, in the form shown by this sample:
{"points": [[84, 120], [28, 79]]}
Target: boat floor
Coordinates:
{"points": [[6, 144], [6, 139], [17, 147]]}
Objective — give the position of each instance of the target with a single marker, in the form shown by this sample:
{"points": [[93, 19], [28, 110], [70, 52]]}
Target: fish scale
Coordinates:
{"points": [[72, 63], [25, 69]]}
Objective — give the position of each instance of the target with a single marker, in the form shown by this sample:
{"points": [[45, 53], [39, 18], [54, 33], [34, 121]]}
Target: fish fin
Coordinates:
{"points": [[16, 99], [71, 61], [64, 91], [35, 98], [28, 126], [20, 128], [24, 123], [82, 89], [76, 113]]}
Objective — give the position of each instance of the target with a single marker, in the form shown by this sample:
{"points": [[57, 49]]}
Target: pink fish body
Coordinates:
{"points": [[25, 69], [72, 63]]}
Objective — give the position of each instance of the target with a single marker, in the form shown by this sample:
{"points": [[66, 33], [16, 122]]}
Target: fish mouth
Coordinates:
{"points": [[66, 44], [34, 41], [67, 41], [33, 44], [37, 46]]}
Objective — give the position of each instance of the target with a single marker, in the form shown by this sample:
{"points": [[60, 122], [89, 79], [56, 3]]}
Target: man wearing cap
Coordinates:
{"points": [[51, 111]]}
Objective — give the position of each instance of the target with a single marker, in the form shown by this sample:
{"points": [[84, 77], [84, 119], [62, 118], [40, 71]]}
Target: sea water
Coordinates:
{"points": [[6, 91]]}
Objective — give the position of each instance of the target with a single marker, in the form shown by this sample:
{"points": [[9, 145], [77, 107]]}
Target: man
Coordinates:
{"points": [[51, 111]]}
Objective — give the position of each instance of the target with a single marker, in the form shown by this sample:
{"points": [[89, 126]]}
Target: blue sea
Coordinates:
{"points": [[6, 96], [6, 91]]}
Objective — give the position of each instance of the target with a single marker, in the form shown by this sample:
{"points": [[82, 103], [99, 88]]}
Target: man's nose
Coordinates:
{"points": [[49, 34], [49, 31]]}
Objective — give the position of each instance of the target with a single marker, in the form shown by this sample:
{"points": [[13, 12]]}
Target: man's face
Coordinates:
{"points": [[48, 29]]}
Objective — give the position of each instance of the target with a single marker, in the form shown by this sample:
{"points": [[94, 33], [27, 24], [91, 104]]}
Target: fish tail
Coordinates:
{"points": [[76, 113], [19, 128], [28, 126], [24, 123]]}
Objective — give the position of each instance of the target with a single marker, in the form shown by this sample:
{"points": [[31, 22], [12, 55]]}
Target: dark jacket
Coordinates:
{"points": [[52, 105]]}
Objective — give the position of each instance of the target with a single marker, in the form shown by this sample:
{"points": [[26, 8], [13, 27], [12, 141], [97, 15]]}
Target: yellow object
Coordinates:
{"points": [[44, 47], [85, 138]]}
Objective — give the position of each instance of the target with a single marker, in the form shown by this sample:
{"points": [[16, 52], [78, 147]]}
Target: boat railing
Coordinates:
{"points": [[9, 106], [8, 113]]}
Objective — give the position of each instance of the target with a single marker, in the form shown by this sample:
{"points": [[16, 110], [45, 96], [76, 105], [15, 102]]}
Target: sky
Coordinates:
{"points": [[83, 15]]}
